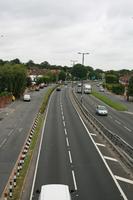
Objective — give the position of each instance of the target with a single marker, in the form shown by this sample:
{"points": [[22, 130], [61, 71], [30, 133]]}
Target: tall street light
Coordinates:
{"points": [[83, 54], [73, 63]]}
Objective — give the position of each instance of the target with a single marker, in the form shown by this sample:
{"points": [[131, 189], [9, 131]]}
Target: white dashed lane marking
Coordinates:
{"points": [[64, 123], [99, 144], [70, 157], [74, 180], [3, 142], [117, 122], [109, 158], [128, 129], [10, 132], [65, 131], [67, 141], [124, 179]]}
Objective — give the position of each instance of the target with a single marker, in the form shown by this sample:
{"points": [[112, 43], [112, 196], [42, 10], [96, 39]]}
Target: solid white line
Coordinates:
{"points": [[34, 178], [65, 131], [102, 145], [128, 129], [104, 161], [70, 157], [3, 142], [74, 180], [67, 142], [124, 179], [64, 123], [117, 122], [109, 158]]}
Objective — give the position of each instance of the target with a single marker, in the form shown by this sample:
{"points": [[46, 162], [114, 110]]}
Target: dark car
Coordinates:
{"points": [[58, 89]]}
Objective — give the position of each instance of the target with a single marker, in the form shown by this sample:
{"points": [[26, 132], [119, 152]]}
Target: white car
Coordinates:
{"points": [[27, 97], [101, 110], [55, 191], [101, 89]]}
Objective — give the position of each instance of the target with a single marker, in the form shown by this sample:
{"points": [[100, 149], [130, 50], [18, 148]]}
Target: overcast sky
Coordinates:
{"points": [[56, 30]]}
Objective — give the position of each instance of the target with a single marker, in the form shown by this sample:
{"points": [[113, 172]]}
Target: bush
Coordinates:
{"points": [[5, 93], [118, 89]]}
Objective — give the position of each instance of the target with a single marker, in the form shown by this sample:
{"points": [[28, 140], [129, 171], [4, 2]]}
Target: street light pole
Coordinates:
{"points": [[83, 54], [73, 63]]}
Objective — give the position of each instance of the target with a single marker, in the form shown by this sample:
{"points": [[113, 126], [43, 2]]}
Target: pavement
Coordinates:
{"points": [[121, 99]]}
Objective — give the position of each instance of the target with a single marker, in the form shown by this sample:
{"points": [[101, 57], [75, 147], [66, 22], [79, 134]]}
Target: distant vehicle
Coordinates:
{"points": [[26, 97], [87, 89], [42, 85], [79, 84], [58, 89], [55, 192], [101, 110], [101, 89], [79, 88], [37, 88]]}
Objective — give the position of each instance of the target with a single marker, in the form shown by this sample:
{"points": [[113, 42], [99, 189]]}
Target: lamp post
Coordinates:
{"points": [[73, 63], [83, 55]]}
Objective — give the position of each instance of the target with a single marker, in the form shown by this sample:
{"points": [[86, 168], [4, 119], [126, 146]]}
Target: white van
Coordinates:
{"points": [[87, 89], [55, 192]]}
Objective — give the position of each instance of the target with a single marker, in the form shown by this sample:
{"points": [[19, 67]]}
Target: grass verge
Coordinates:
{"points": [[109, 102]]}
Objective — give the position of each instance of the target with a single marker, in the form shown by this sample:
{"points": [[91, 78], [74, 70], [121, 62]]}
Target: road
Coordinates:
{"points": [[118, 122], [15, 123], [72, 154]]}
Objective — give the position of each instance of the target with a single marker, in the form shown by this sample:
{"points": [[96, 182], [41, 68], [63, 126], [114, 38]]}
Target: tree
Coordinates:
{"points": [[44, 64], [111, 78], [28, 81], [13, 79], [62, 75], [79, 71], [2, 62], [130, 87], [15, 61], [30, 64]]}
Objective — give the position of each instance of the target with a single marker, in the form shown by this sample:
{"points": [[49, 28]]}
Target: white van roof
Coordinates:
{"points": [[55, 192]]}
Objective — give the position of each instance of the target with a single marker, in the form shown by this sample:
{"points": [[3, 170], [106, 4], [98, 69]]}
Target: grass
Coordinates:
{"points": [[20, 180], [109, 102]]}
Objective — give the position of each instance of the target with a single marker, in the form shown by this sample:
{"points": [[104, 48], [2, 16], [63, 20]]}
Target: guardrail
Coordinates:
{"points": [[124, 150]]}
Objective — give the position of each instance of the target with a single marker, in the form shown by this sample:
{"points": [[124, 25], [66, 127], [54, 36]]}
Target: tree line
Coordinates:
{"points": [[14, 75]]}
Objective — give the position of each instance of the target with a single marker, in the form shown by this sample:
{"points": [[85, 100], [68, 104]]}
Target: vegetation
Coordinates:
{"points": [[79, 71], [130, 87], [109, 102], [115, 88], [13, 75], [111, 78], [13, 79]]}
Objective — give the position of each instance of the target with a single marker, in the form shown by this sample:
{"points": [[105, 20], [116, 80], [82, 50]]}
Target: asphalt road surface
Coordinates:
{"points": [[71, 154], [120, 123], [15, 123]]}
